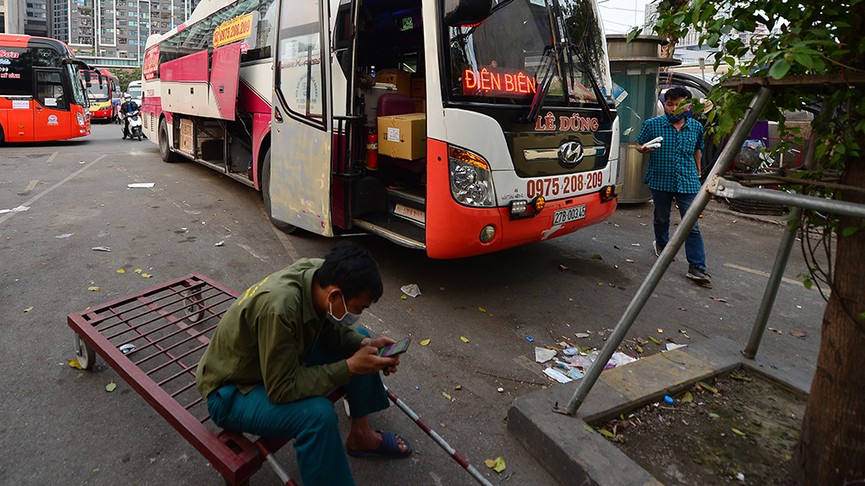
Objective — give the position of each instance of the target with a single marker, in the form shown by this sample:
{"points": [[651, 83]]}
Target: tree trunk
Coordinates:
{"points": [[831, 449]]}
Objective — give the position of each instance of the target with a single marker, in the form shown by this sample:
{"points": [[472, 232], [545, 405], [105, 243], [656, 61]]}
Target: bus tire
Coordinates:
{"points": [[265, 195], [164, 150]]}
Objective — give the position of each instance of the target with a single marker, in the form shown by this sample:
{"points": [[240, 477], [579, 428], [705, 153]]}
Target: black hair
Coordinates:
{"points": [[676, 93], [352, 270]]}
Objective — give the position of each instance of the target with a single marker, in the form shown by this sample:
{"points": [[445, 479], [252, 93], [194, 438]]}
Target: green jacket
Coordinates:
{"points": [[266, 335]]}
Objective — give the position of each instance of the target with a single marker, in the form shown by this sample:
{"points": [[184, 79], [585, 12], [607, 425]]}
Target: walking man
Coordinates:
{"points": [[675, 145], [285, 344]]}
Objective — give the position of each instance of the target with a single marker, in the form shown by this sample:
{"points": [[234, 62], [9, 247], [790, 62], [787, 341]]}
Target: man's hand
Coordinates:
{"points": [[366, 361], [381, 342]]}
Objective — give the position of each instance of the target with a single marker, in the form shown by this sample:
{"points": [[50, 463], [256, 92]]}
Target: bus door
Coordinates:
{"points": [[300, 167], [51, 117], [19, 120]]}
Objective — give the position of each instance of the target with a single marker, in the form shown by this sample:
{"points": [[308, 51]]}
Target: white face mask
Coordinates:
{"points": [[348, 319]]}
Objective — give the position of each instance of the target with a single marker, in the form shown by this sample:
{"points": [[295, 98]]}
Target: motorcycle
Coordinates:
{"points": [[133, 118]]}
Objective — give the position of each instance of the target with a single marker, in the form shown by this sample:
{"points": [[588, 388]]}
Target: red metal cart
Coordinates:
{"points": [[154, 339]]}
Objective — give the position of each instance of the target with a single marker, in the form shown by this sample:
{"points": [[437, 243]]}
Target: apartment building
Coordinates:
{"points": [[112, 33]]}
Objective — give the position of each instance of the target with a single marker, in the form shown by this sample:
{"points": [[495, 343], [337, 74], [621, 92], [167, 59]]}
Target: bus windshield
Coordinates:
{"points": [[77, 85], [489, 67], [97, 92], [134, 91]]}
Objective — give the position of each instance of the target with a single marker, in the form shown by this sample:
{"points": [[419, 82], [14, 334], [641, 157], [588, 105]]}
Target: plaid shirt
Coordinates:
{"points": [[672, 167]]}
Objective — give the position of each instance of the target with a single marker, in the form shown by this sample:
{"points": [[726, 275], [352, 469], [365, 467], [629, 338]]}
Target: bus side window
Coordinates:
{"points": [[49, 90]]}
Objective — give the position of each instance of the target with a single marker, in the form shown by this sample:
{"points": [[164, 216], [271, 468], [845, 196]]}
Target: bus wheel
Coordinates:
{"points": [[164, 150], [265, 194]]}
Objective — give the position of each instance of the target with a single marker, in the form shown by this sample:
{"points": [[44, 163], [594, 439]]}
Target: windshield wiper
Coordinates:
{"points": [[584, 67], [545, 78]]}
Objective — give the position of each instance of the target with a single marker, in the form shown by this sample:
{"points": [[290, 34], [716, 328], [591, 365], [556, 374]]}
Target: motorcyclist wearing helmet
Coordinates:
{"points": [[126, 108]]}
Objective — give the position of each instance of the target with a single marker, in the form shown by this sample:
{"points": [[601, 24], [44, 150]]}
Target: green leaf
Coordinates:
{"points": [[850, 231], [779, 69], [110, 387], [714, 416], [606, 433], [687, 398], [804, 59], [589, 428], [652, 338], [738, 432], [707, 387], [634, 33]]}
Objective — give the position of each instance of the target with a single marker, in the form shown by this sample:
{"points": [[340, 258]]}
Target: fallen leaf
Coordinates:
{"points": [[73, 363], [403, 297], [447, 396], [424, 342], [110, 387], [737, 376], [775, 329], [719, 299], [146, 275], [684, 333], [660, 331], [458, 387], [482, 309], [707, 387], [652, 338], [738, 432], [687, 398], [606, 433], [28, 309], [93, 288], [138, 270], [597, 256], [121, 270], [464, 339], [589, 428], [639, 349], [714, 416], [798, 334], [101, 248], [582, 335], [498, 465]]}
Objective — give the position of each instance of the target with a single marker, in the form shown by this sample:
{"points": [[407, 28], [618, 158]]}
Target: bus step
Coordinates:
{"points": [[393, 228], [414, 195]]}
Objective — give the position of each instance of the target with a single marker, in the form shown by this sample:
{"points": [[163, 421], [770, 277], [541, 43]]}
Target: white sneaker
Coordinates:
{"points": [[655, 247]]}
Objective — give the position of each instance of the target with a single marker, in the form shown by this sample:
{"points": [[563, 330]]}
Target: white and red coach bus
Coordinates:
{"points": [[458, 127]]}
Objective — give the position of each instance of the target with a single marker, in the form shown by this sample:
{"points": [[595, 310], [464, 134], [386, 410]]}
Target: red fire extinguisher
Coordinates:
{"points": [[371, 150]]}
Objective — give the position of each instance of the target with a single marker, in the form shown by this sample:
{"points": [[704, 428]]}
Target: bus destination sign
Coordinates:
{"points": [[233, 30], [498, 82]]}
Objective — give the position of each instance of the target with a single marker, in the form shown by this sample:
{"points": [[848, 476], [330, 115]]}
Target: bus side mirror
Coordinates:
{"points": [[462, 12]]}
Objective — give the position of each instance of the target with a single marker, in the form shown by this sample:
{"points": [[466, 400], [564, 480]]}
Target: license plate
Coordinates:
{"points": [[410, 213], [563, 216]]}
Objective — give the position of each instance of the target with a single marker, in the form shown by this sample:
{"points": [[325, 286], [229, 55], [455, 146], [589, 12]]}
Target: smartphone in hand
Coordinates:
{"points": [[395, 348]]}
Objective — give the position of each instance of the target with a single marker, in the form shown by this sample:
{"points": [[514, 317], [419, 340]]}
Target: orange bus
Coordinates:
{"points": [[42, 96]]}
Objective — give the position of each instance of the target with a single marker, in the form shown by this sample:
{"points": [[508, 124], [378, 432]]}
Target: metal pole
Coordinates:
{"points": [[657, 271], [437, 438], [773, 284]]}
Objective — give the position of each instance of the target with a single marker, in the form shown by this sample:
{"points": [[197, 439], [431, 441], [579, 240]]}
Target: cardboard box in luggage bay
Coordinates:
{"points": [[400, 79], [186, 135], [402, 136]]}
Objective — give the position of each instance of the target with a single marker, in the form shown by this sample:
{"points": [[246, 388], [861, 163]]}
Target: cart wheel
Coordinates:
{"points": [[194, 309], [84, 353]]}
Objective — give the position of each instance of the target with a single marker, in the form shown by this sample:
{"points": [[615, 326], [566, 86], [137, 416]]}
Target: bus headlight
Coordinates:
{"points": [[471, 178], [80, 118]]}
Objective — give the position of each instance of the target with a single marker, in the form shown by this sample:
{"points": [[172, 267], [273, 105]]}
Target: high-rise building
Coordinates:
{"points": [[112, 33]]}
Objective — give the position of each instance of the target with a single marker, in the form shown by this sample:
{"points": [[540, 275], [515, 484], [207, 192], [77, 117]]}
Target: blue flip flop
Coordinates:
{"points": [[389, 448]]}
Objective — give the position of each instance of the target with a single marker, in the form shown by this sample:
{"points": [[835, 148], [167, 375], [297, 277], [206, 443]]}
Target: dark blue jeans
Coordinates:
{"points": [[694, 250], [312, 422]]}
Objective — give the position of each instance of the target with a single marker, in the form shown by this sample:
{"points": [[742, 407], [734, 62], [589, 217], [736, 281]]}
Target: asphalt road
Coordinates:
{"points": [[60, 426]]}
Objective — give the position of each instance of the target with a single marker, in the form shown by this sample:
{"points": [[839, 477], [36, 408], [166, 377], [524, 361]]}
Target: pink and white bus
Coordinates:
{"points": [[458, 127]]}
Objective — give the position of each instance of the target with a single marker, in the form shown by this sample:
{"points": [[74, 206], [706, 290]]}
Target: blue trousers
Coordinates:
{"points": [[312, 422], [694, 250]]}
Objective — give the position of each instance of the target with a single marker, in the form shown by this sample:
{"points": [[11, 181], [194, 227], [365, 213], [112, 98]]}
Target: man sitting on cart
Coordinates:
{"points": [[285, 344]]}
